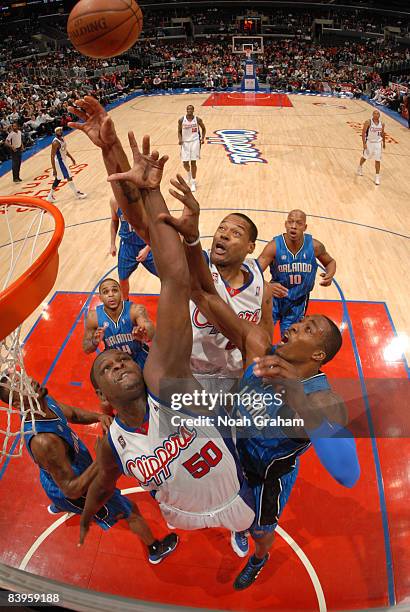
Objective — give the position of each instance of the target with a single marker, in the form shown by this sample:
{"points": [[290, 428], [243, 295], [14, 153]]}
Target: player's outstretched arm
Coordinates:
{"points": [[171, 348], [99, 127], [50, 452], [92, 333], [102, 486]]}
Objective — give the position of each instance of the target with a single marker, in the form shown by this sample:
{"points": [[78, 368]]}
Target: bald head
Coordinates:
{"points": [[295, 226], [297, 213]]}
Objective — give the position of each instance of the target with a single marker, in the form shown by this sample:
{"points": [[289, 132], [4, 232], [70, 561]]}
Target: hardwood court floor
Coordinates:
{"points": [[312, 152]]}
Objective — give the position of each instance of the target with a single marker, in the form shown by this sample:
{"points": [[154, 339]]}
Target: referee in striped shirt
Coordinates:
{"points": [[15, 142]]}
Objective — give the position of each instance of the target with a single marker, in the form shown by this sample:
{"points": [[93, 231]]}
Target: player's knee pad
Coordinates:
{"points": [[55, 183]]}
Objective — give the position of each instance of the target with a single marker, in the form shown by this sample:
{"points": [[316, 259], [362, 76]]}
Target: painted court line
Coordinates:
{"points": [[281, 532]]}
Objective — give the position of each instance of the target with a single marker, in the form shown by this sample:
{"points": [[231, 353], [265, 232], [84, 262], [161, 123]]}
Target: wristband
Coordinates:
{"points": [[191, 244]]}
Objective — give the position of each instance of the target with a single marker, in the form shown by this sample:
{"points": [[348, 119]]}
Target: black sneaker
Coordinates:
{"points": [[162, 548], [249, 574]]}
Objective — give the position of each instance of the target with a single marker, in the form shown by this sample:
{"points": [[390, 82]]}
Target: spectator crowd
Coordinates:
{"points": [[38, 88]]}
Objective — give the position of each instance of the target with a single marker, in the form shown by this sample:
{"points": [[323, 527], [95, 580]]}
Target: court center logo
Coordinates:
{"points": [[239, 145]]}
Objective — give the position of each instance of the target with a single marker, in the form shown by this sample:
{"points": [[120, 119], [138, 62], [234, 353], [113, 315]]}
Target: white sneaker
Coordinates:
{"points": [[193, 186], [81, 195], [50, 198], [360, 171], [377, 179]]}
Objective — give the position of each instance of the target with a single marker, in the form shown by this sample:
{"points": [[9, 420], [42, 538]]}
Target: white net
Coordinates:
{"points": [[25, 236]]}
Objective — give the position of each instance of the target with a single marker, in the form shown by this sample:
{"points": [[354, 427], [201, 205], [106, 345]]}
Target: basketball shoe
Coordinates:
{"points": [[239, 543], [53, 509], [193, 185], [249, 573], [377, 179], [81, 195], [360, 171], [162, 548]]}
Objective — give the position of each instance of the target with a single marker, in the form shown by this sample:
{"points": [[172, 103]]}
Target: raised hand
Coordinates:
{"points": [[97, 124], [147, 170], [188, 223]]}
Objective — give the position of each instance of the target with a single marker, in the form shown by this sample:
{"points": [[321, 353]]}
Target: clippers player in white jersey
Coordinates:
{"points": [[373, 137], [191, 135], [194, 470], [59, 154], [233, 242], [216, 363]]}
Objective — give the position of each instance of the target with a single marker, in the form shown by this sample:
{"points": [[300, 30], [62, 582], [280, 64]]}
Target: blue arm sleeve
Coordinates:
{"points": [[336, 449]]}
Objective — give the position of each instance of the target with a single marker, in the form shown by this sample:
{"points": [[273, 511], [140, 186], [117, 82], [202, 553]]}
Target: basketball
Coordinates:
{"points": [[104, 28]]}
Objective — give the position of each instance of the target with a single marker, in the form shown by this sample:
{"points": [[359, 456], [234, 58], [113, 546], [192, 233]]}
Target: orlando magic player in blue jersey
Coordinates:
{"points": [[292, 261], [119, 324], [67, 469], [133, 250], [269, 453], [61, 171]]}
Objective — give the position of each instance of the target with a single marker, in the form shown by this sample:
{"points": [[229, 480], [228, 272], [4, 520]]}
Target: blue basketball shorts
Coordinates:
{"points": [[127, 263], [287, 312], [116, 508], [271, 496]]}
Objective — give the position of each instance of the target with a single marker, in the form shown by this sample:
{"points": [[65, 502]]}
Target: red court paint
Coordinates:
{"points": [[340, 530], [236, 98]]}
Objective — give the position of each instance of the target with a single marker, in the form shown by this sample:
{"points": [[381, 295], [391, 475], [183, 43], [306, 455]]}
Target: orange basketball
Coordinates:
{"points": [[104, 28]]}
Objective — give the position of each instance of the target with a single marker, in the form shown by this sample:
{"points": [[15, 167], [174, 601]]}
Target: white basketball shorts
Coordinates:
{"points": [[373, 150], [237, 515], [191, 151]]}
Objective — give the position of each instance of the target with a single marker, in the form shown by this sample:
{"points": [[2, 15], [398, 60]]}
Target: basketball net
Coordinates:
{"points": [[23, 404], [248, 54]]}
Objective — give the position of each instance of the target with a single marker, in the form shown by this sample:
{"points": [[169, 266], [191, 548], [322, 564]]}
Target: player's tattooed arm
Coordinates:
{"points": [[327, 261], [101, 488], [92, 333], [50, 452], [100, 129], [144, 329], [131, 202]]}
